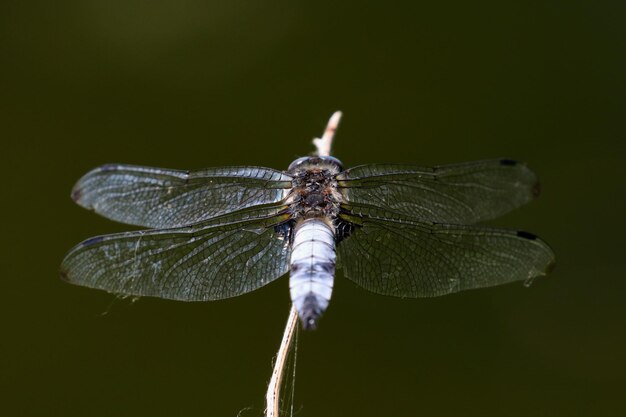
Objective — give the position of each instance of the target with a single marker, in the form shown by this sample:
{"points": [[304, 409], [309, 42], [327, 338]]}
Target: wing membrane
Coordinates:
{"points": [[162, 198], [414, 259], [219, 259], [462, 193]]}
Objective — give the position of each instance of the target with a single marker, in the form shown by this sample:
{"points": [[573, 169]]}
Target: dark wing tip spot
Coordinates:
{"points": [[527, 235], [108, 167], [508, 162], [64, 275], [536, 190], [77, 193], [550, 267], [92, 241]]}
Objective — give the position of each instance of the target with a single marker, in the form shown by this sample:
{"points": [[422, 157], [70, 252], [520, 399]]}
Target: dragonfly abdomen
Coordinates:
{"points": [[312, 269]]}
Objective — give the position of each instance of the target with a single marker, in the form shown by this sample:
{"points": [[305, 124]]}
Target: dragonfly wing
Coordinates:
{"points": [[162, 198], [464, 193], [211, 261], [416, 259]]}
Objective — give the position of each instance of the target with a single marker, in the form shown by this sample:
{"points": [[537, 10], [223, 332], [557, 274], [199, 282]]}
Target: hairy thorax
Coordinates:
{"points": [[314, 192]]}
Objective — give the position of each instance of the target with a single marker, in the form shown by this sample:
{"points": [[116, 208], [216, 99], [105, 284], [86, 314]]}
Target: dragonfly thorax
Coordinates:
{"points": [[314, 192]]}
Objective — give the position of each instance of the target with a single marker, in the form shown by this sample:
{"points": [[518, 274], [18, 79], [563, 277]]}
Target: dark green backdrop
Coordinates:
{"points": [[198, 83]]}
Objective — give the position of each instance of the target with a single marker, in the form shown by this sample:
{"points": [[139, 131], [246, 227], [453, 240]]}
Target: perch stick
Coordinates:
{"points": [[323, 146]]}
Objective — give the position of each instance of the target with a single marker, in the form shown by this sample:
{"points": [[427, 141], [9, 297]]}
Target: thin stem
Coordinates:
{"points": [[272, 399]]}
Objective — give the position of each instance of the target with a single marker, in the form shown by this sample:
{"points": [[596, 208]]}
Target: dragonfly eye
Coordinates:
{"points": [[314, 160], [295, 164], [332, 160]]}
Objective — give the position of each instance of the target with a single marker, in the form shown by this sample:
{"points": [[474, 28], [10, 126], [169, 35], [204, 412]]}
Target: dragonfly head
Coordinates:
{"points": [[307, 162]]}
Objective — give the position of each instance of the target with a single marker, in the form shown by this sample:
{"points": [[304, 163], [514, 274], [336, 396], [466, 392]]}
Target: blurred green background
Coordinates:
{"points": [[193, 84]]}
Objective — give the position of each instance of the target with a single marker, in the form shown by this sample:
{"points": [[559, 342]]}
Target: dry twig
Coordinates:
{"points": [[272, 399]]}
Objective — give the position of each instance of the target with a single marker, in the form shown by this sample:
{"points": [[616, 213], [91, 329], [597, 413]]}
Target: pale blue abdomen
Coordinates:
{"points": [[312, 269]]}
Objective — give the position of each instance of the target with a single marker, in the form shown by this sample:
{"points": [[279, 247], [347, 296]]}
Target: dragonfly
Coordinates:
{"points": [[394, 229]]}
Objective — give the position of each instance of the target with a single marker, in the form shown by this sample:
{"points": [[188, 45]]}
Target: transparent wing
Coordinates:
{"points": [[215, 260], [462, 193], [413, 259], [162, 198]]}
